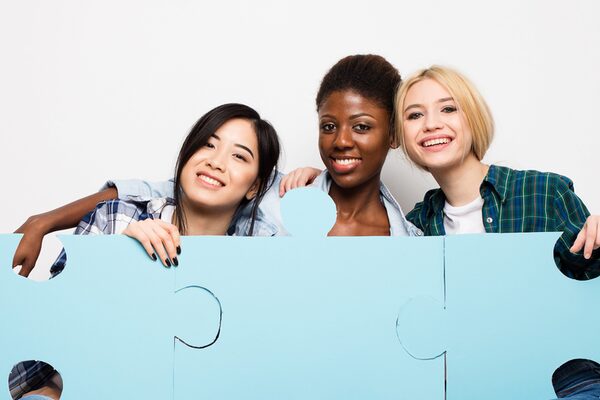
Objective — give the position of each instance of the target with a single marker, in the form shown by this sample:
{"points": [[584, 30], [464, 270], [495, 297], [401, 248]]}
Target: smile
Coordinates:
{"points": [[346, 164], [436, 141], [346, 161], [210, 181]]}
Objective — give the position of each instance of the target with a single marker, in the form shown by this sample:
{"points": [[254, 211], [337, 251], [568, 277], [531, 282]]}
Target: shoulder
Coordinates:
{"points": [[535, 181], [419, 214]]}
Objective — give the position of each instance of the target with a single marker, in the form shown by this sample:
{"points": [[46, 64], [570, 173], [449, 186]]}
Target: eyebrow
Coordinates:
{"points": [[442, 100], [353, 116], [241, 146]]}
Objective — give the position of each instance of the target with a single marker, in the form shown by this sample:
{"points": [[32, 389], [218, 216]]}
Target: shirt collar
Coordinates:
{"points": [[399, 225], [497, 178]]}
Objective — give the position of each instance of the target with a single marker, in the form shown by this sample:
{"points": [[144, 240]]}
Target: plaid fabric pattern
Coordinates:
{"points": [[36, 372], [522, 201], [109, 217], [113, 217]]}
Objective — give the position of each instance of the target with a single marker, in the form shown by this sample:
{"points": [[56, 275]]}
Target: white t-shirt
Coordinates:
{"points": [[464, 219]]}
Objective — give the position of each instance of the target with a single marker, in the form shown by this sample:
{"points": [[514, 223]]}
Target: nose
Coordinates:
{"points": [[217, 160], [432, 122], [343, 138]]}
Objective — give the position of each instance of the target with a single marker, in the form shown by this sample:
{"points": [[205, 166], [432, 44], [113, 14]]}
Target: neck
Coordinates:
{"points": [[461, 183], [203, 221], [351, 202]]}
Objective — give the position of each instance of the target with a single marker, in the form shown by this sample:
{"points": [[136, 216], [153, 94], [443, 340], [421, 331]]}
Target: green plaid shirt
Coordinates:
{"points": [[522, 201]]}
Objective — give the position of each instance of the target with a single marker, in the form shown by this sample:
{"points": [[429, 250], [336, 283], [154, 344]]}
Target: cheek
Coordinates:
{"points": [[409, 135], [243, 176]]}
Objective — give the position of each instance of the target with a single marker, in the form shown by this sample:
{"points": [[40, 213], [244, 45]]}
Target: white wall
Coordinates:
{"points": [[97, 90]]}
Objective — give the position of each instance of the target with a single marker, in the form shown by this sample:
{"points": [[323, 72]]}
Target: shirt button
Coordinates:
{"points": [[489, 220]]}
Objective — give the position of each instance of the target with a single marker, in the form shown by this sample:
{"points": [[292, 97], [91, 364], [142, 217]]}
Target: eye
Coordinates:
{"points": [[414, 115], [328, 127], [449, 109], [240, 157], [209, 145], [362, 127]]}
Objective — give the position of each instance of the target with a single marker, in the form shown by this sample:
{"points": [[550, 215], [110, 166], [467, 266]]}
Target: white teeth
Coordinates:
{"points": [[346, 161], [210, 180], [433, 142]]}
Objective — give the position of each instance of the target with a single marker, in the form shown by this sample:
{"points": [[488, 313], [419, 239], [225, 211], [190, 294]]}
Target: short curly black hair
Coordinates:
{"points": [[369, 75]]}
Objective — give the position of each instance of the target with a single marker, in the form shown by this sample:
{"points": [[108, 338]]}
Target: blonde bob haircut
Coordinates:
{"points": [[468, 100]]}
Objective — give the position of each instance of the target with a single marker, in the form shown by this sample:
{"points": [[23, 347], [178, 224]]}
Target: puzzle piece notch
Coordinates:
{"points": [[308, 212], [207, 315], [428, 341]]}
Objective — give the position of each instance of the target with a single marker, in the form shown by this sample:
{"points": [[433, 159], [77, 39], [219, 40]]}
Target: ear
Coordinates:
{"points": [[394, 142], [253, 191]]}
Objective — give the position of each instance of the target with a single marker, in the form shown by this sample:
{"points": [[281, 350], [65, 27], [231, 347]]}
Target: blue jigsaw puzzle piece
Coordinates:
{"points": [[510, 319], [107, 323], [310, 317]]}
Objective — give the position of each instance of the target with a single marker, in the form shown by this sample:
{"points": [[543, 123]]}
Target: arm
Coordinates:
{"points": [[37, 226], [140, 190], [579, 232]]}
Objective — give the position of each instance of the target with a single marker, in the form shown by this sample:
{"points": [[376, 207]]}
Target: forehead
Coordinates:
{"points": [[350, 102], [238, 131], [426, 90]]}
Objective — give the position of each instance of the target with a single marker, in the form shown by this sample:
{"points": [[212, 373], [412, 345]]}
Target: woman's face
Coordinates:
{"points": [[225, 170], [436, 134], [354, 138]]}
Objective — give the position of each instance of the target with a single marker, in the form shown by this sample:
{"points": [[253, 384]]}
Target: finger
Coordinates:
{"points": [[597, 243], [171, 239], [176, 237], [26, 268], [134, 231], [579, 241], [288, 184], [282, 186], [167, 249], [590, 240]]}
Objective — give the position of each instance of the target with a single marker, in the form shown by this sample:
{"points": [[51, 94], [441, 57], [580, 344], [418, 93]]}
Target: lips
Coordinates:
{"points": [[209, 180], [435, 143], [344, 164]]}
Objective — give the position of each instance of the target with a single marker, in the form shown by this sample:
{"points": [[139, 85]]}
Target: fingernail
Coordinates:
{"points": [[168, 263], [154, 257], [176, 262], [178, 249]]}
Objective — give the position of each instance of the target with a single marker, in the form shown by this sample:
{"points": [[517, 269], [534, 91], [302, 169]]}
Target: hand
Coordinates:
{"points": [[28, 251], [157, 237], [299, 177], [588, 238]]}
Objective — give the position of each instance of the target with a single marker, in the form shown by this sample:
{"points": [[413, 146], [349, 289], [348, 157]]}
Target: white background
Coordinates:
{"points": [[91, 90]]}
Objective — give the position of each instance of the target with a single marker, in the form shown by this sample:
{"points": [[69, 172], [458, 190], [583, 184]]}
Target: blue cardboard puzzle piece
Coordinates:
{"points": [[310, 317], [296, 317], [508, 320], [107, 323]]}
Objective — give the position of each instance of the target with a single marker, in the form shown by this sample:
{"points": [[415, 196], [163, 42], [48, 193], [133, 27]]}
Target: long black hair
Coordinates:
{"points": [[202, 131]]}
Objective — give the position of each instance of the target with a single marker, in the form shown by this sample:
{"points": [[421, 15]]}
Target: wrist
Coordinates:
{"points": [[41, 223]]}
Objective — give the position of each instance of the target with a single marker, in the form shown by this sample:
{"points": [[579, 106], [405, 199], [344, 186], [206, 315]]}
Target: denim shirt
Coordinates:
{"points": [[268, 220]]}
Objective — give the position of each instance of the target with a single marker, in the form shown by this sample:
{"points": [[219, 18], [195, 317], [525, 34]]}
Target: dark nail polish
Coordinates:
{"points": [[178, 249], [168, 263], [154, 257], [175, 262]]}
